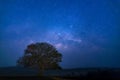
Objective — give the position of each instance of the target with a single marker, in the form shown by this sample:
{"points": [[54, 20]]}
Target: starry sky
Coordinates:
{"points": [[86, 32]]}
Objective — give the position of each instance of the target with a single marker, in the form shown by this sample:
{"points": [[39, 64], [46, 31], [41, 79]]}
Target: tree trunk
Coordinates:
{"points": [[41, 70]]}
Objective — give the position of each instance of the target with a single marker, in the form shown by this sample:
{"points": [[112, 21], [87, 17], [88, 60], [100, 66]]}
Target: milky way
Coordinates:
{"points": [[86, 32]]}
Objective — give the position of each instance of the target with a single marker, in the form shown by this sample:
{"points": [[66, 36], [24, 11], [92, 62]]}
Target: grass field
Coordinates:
{"points": [[15, 73]]}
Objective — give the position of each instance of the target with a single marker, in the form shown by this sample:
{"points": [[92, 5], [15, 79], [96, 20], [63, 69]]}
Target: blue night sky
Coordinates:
{"points": [[86, 32]]}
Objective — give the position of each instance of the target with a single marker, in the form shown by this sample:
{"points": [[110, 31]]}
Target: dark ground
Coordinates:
{"points": [[19, 73]]}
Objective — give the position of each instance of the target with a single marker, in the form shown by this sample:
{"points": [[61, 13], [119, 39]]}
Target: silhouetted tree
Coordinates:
{"points": [[41, 55]]}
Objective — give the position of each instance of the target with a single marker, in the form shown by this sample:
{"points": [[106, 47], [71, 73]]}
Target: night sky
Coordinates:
{"points": [[86, 32]]}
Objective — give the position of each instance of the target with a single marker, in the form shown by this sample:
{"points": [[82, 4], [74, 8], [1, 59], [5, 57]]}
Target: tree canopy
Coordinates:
{"points": [[41, 55]]}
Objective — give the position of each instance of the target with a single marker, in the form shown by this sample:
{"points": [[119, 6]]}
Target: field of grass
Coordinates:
{"points": [[15, 73]]}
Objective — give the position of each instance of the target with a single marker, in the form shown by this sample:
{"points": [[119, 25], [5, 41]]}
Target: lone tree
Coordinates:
{"points": [[42, 56]]}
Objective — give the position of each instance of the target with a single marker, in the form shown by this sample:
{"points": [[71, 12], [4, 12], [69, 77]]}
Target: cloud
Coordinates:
{"points": [[75, 40], [31, 41], [60, 46]]}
